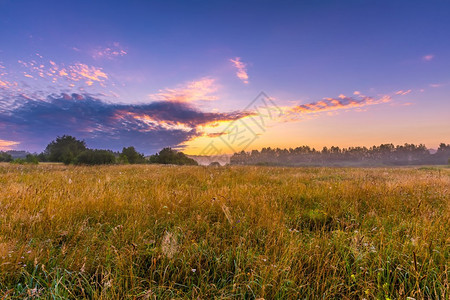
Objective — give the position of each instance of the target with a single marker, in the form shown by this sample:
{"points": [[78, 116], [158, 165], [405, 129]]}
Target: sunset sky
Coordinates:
{"points": [[189, 74]]}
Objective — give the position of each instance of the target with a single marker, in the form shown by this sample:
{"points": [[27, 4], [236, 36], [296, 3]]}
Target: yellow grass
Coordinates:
{"points": [[153, 231]]}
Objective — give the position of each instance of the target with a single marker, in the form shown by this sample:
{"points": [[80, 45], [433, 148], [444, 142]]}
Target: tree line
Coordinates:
{"points": [[69, 150], [385, 154]]}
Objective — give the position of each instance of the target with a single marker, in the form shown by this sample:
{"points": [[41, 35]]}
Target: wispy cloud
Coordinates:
{"points": [[402, 92], [436, 85], [401, 104], [39, 77], [332, 104], [7, 145], [241, 67], [4, 84], [199, 90], [149, 127], [428, 57], [111, 52], [58, 72]]}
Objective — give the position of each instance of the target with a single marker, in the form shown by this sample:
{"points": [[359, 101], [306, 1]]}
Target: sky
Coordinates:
{"points": [[215, 77]]}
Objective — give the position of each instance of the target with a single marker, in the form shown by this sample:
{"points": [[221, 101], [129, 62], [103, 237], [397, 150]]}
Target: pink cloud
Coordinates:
{"points": [[82, 71], [241, 67], [7, 145], [401, 104], [4, 83], [436, 85], [428, 57], [111, 52], [192, 91], [56, 72], [402, 92], [293, 113]]}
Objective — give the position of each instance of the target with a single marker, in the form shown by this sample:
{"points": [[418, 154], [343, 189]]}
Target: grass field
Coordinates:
{"points": [[152, 231]]}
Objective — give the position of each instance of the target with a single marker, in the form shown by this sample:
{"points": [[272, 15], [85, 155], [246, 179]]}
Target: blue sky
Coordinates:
{"points": [[342, 72]]}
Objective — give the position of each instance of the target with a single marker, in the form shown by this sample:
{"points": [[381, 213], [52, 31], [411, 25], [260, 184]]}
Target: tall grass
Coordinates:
{"points": [[153, 232]]}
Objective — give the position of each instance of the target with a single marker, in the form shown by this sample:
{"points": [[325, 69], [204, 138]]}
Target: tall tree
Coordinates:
{"points": [[64, 149], [169, 156], [131, 156]]}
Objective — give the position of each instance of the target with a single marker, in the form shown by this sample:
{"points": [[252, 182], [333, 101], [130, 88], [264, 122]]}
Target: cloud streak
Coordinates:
{"points": [[241, 67], [198, 90], [7, 145], [402, 92], [332, 104], [428, 57]]}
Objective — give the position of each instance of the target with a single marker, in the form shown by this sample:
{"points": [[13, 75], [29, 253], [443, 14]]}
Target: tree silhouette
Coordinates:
{"points": [[64, 149]]}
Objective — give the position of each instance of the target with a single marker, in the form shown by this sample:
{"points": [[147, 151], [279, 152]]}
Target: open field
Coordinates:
{"points": [[152, 231]]}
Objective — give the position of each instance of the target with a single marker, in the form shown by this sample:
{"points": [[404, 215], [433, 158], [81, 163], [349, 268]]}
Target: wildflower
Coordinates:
{"points": [[194, 270], [34, 292], [353, 277]]}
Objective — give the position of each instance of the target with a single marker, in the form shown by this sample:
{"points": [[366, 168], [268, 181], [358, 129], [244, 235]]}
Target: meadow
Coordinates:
{"points": [[163, 232]]}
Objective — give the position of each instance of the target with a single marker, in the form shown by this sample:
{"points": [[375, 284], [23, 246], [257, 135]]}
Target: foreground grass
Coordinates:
{"points": [[241, 232]]}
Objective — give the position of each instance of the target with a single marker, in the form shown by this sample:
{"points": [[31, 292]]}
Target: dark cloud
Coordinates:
{"points": [[148, 127]]}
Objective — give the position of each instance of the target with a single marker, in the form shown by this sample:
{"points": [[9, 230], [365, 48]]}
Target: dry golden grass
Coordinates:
{"points": [[152, 232]]}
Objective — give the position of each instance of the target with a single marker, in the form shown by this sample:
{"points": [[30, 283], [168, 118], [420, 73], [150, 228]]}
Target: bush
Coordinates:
{"points": [[18, 161], [131, 156], [169, 156], [95, 157], [32, 159], [5, 157]]}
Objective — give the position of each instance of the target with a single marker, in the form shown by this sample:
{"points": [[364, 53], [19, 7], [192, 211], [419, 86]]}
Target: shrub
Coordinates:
{"points": [[5, 157], [18, 161], [169, 156], [95, 157], [32, 159], [131, 156]]}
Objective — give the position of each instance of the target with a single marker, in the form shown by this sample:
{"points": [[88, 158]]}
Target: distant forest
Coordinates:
{"points": [[385, 154]]}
